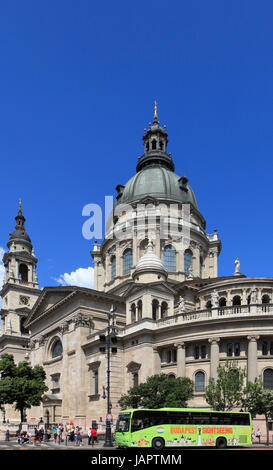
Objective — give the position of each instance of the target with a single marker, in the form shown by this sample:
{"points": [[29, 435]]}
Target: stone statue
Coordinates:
{"points": [[190, 274], [214, 298], [253, 294], [237, 265], [181, 305]]}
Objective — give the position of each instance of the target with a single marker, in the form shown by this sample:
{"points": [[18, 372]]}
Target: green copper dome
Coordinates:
{"points": [[157, 182]]}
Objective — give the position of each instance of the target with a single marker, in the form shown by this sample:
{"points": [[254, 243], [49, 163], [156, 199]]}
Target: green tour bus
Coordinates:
{"points": [[180, 427]]}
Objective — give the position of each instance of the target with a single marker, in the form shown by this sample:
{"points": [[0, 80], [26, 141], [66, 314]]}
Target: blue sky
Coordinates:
{"points": [[77, 84]]}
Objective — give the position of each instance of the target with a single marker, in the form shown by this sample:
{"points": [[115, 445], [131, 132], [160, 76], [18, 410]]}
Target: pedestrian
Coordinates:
{"points": [[93, 436], [59, 433], [80, 437], [55, 433], [89, 433], [36, 436], [76, 435], [259, 435]]}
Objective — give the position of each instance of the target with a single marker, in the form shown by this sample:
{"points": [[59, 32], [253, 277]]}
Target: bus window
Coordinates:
{"points": [[240, 419], [123, 422], [200, 418], [176, 417]]}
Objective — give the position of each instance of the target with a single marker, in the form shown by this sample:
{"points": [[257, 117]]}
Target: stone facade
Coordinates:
{"points": [[173, 313]]}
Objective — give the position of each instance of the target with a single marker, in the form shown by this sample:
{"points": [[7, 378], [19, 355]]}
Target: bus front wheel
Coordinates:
{"points": [[221, 443], [158, 443]]}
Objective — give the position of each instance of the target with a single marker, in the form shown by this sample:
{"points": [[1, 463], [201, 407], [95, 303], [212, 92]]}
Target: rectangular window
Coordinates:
{"points": [[264, 348], [203, 351], [229, 349], [237, 349], [196, 352], [96, 382]]}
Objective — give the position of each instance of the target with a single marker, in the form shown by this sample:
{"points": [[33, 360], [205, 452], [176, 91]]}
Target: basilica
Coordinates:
{"points": [[158, 267]]}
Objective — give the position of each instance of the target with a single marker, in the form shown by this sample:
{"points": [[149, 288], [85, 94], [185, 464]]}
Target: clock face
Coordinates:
{"points": [[24, 300]]}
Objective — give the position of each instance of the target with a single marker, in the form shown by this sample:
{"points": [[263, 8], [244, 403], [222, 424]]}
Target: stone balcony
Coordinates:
{"points": [[238, 311]]}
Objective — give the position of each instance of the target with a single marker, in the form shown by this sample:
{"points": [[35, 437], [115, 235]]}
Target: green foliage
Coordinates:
{"points": [[157, 392], [21, 384], [225, 393]]}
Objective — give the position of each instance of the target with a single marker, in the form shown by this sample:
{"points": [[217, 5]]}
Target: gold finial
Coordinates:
{"points": [[20, 203], [155, 111]]}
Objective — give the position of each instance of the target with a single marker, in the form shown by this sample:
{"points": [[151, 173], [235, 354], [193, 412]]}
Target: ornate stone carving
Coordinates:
{"points": [[82, 320], [64, 327], [41, 340]]}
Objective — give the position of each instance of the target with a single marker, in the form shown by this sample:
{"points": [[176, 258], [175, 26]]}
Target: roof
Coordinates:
{"points": [[157, 182]]}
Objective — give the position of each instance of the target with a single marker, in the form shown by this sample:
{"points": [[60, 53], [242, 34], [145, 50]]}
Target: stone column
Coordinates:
{"points": [[156, 361], [181, 360], [214, 356], [252, 369]]}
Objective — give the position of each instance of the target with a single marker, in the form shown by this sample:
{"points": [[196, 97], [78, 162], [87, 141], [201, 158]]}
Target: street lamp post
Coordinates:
{"points": [[110, 332]]}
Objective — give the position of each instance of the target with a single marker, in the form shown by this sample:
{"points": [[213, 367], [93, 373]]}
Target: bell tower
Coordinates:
{"points": [[20, 289]]}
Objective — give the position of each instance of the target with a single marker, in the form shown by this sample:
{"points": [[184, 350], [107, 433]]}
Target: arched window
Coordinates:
{"points": [[187, 261], [265, 302], [113, 267], [164, 309], [236, 302], [57, 349], [169, 258], [153, 144], [127, 261], [139, 309], [199, 382], [209, 305], [265, 299], [222, 302], [268, 379], [155, 307], [133, 313], [23, 272]]}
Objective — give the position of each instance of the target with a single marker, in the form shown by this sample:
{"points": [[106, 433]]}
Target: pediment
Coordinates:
{"points": [[48, 298], [161, 287]]}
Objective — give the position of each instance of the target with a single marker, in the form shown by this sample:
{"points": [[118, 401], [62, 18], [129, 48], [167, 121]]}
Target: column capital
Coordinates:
{"points": [[214, 340], [253, 338], [180, 345]]}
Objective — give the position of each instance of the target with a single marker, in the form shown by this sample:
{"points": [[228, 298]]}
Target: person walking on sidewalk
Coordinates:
{"points": [[93, 436]]}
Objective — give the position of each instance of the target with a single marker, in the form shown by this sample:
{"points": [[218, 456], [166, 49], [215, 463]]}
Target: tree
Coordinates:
{"points": [[159, 391], [225, 393], [259, 401], [21, 384]]}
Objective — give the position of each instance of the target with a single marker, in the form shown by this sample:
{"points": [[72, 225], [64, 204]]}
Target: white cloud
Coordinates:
{"points": [[82, 277]]}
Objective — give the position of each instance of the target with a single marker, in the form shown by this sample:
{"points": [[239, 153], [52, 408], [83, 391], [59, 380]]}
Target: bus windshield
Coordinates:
{"points": [[123, 422]]}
